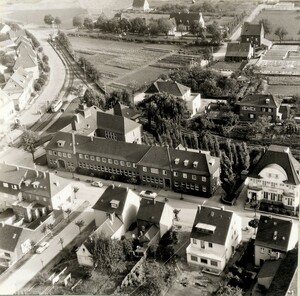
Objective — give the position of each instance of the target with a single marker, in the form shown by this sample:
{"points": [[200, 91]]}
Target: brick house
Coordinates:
{"points": [[187, 19], [154, 166], [215, 235], [252, 106], [238, 52], [252, 33], [274, 238], [275, 178]]}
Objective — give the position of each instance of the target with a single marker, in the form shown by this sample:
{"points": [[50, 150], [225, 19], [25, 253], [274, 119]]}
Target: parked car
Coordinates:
{"points": [[148, 193], [42, 247], [97, 184]]}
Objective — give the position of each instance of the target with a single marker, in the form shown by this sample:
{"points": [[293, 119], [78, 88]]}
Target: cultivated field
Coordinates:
{"points": [[283, 90], [123, 62], [288, 19]]}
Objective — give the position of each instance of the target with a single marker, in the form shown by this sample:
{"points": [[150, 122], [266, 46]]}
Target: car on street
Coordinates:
{"points": [[97, 184], [42, 247], [148, 193]]}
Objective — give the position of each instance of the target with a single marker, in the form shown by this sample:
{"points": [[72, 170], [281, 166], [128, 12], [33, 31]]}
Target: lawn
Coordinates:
{"points": [[288, 19]]}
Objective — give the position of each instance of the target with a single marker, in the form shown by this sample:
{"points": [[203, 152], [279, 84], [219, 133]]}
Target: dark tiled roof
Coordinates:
{"points": [[112, 193], [125, 111], [251, 29], [185, 18], [138, 3], [238, 49], [10, 236], [171, 87], [115, 123], [219, 218], [156, 157], [109, 228], [285, 275], [259, 100], [273, 233], [151, 211], [282, 157], [98, 146]]}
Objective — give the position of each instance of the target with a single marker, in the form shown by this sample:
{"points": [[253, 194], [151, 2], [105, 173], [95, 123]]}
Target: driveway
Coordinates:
{"points": [[56, 80]]}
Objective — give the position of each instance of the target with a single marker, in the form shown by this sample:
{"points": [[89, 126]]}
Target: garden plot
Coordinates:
{"points": [[117, 60]]}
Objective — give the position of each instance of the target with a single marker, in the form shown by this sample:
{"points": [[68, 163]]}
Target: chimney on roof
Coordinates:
{"points": [[113, 186], [222, 208], [36, 173], [127, 189], [92, 138], [286, 150], [112, 217], [275, 235], [17, 168], [199, 209], [267, 101], [44, 175], [73, 143]]}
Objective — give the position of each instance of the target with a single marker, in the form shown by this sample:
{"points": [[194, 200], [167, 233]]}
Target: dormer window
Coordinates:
{"points": [[211, 162], [186, 162], [61, 143], [195, 164], [176, 160], [114, 203]]}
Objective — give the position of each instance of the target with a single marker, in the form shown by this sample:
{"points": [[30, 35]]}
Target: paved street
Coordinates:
{"points": [[55, 82]]}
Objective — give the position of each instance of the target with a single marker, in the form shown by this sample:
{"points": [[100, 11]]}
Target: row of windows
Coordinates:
{"points": [[204, 260], [106, 160], [202, 243], [189, 186], [60, 154], [107, 169], [194, 177], [110, 135], [15, 187], [262, 250], [154, 171], [266, 109], [153, 180]]}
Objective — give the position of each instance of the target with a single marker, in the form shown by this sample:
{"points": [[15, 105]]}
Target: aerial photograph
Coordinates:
{"points": [[149, 147]]}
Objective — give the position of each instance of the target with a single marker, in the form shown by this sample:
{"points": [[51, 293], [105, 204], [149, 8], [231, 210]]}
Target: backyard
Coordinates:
{"points": [[288, 19]]}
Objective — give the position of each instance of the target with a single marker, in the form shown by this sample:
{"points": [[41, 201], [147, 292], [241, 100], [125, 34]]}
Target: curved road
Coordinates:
{"points": [[56, 80]]}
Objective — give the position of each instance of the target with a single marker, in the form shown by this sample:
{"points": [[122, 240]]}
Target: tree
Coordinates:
{"points": [[214, 31], [165, 26], [50, 227], [109, 254], [91, 98], [260, 126], [254, 224], [124, 25], [227, 290], [102, 19], [154, 28], [198, 30], [80, 224], [49, 19], [77, 22], [57, 21], [227, 176], [68, 212], [88, 23], [281, 32], [181, 29], [29, 142], [37, 86], [138, 25], [267, 25], [75, 190], [45, 59]]}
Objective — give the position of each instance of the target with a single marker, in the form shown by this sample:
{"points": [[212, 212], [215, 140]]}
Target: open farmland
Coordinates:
{"points": [[123, 62], [288, 19]]}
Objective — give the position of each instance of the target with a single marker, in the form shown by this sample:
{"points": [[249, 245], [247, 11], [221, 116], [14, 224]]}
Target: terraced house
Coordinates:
{"points": [[276, 178], [183, 171]]}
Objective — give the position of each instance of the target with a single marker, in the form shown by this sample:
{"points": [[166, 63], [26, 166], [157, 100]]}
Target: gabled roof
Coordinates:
{"points": [[156, 157], [89, 244], [238, 49], [219, 219], [108, 227], [282, 157], [185, 18], [19, 80], [285, 275], [22, 39], [112, 193], [251, 29], [259, 100], [25, 59], [151, 211], [138, 3], [171, 87], [12, 174], [98, 146], [24, 48], [115, 123], [10, 236], [273, 233]]}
